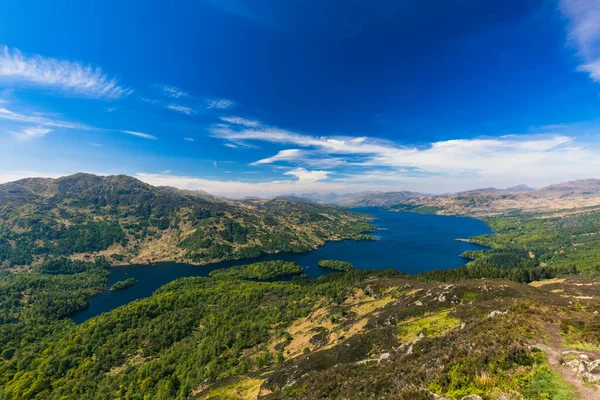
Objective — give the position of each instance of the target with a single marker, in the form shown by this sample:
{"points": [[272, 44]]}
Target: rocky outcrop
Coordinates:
{"points": [[580, 363]]}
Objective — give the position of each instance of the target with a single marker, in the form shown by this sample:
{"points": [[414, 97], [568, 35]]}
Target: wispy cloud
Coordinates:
{"points": [[140, 134], [181, 109], [241, 121], [188, 139], [30, 133], [174, 92], [303, 181], [37, 119], [219, 104], [584, 33], [67, 76], [532, 158], [148, 100], [283, 155]]}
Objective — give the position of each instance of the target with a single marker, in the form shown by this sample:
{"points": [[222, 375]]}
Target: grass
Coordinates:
{"points": [[546, 384], [433, 325], [574, 338], [547, 282], [370, 306], [245, 388]]}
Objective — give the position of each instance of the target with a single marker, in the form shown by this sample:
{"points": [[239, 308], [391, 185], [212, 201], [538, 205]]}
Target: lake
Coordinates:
{"points": [[407, 242]]}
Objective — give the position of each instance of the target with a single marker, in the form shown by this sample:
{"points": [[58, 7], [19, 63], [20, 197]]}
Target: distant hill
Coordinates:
{"points": [[379, 199], [580, 194], [493, 190], [83, 215], [584, 187], [361, 199]]}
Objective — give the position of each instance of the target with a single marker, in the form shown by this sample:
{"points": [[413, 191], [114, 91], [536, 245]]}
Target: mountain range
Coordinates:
{"points": [[483, 201]]}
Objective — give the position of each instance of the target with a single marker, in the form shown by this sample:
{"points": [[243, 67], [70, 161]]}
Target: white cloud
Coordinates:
{"points": [[68, 76], [512, 159], [305, 176], [235, 188], [37, 119], [241, 121], [188, 139], [283, 155], [173, 91], [151, 101], [17, 175], [140, 134], [181, 109], [30, 133], [218, 103], [584, 33]]}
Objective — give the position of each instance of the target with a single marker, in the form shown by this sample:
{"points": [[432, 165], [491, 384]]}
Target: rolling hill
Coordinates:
{"points": [[575, 195], [128, 221]]}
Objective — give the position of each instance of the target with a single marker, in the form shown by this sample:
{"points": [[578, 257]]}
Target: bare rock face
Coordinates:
{"points": [[588, 370]]}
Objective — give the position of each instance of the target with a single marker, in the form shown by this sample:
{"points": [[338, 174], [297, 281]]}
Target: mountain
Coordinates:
{"points": [[519, 188], [580, 194], [129, 221], [493, 190], [378, 199], [585, 187], [327, 198]]}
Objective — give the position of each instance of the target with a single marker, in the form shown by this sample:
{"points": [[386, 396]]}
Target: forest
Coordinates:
{"points": [[336, 265], [215, 334], [121, 285]]}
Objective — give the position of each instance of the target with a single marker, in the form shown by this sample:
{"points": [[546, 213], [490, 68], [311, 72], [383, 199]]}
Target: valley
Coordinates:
{"points": [[409, 320]]}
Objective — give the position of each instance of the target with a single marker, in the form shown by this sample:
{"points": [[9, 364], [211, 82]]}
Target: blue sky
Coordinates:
{"points": [[269, 97]]}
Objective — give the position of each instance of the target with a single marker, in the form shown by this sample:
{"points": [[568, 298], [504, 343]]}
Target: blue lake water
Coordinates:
{"points": [[407, 242]]}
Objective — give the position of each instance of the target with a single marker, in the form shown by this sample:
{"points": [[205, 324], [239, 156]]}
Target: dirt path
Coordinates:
{"points": [[556, 351]]}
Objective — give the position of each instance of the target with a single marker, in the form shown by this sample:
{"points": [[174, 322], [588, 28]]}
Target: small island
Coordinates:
{"points": [[336, 265], [120, 285], [362, 236], [265, 270], [416, 208]]}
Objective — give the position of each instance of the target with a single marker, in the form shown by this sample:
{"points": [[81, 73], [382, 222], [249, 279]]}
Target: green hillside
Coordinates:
{"points": [[358, 334], [126, 220]]}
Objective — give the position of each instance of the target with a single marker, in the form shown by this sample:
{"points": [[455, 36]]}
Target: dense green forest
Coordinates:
{"points": [[259, 271], [416, 208], [531, 247], [336, 265], [120, 285], [548, 240], [218, 334]]}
